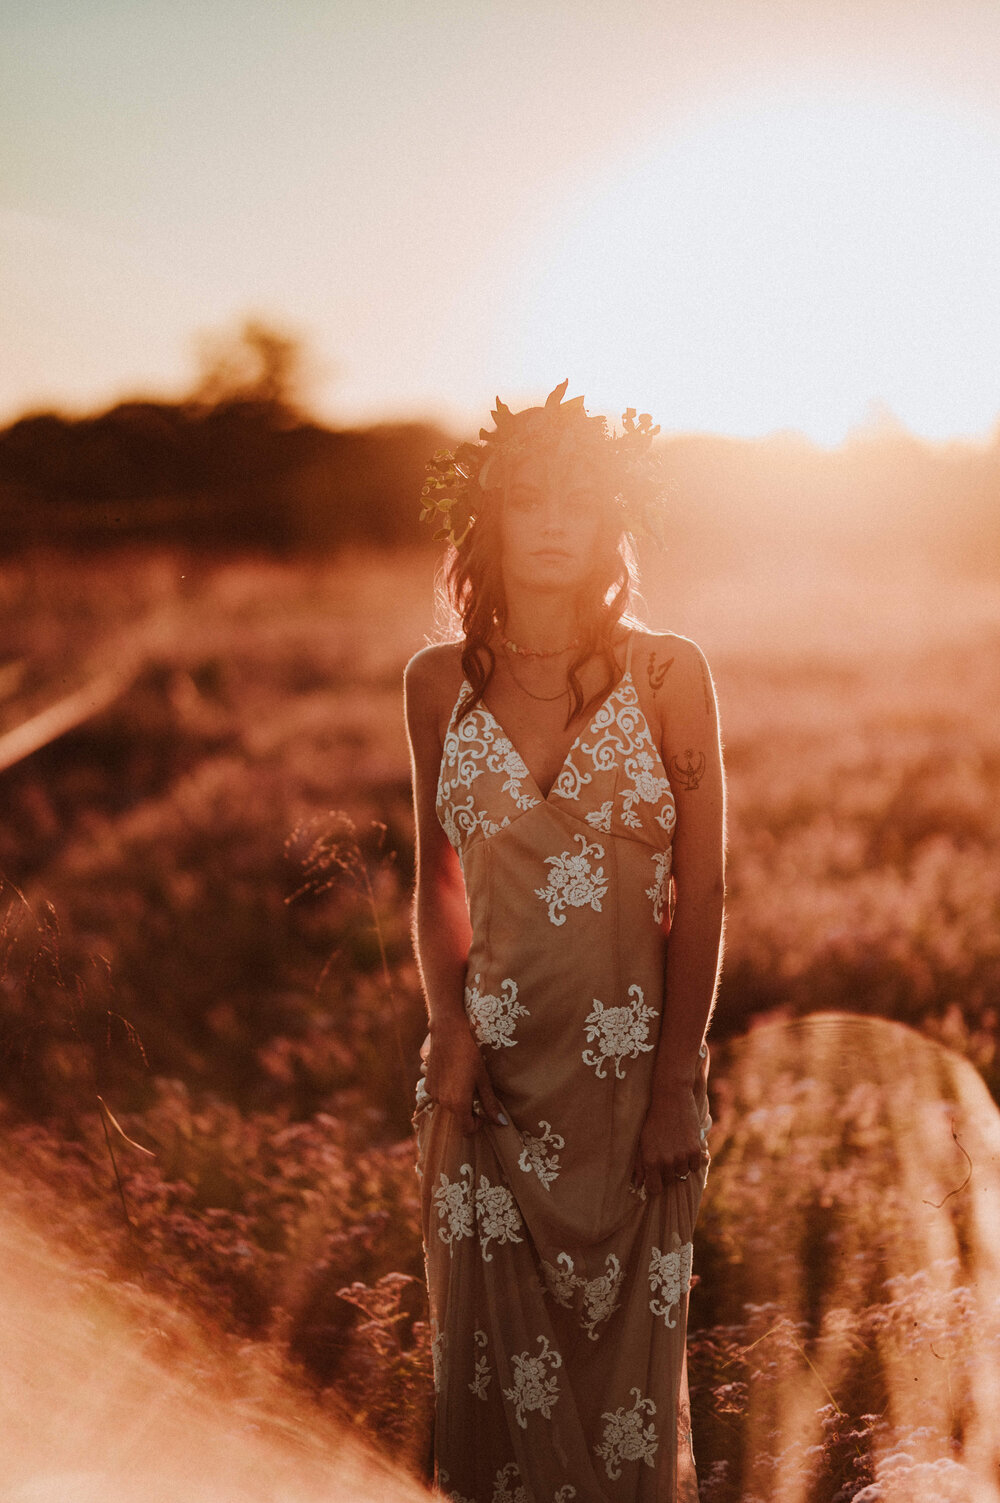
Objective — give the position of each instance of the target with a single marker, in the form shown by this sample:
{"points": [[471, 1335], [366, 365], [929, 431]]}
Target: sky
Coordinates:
{"points": [[744, 216]]}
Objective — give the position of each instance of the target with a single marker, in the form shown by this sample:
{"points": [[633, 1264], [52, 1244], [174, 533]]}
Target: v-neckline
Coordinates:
{"points": [[546, 797]]}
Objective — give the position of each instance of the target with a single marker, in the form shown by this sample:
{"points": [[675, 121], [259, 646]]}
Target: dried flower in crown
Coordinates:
{"points": [[458, 480]]}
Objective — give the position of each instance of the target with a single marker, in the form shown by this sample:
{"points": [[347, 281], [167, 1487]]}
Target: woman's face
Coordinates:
{"points": [[550, 522]]}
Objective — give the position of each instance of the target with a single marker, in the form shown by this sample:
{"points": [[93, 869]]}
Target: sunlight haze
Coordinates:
{"points": [[746, 219]]}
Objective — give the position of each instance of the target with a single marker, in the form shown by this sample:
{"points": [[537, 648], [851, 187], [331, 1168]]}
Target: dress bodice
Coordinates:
{"points": [[612, 778]]}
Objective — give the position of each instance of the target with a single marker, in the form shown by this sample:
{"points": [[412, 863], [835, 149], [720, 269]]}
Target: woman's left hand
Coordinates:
{"points": [[670, 1144]]}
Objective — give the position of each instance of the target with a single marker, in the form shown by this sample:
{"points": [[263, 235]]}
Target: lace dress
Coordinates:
{"points": [[558, 1294]]}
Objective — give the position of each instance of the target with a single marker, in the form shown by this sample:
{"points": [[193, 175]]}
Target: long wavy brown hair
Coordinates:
{"points": [[473, 586]]}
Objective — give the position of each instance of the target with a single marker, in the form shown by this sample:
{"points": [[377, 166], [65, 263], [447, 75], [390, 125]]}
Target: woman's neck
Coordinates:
{"points": [[541, 623]]}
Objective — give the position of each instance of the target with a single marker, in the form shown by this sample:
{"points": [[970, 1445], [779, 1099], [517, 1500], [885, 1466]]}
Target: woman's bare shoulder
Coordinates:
{"points": [[432, 679], [671, 669], [670, 640], [663, 649], [434, 665]]}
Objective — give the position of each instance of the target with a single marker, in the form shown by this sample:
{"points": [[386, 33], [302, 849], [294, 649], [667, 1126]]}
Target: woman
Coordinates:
{"points": [[570, 812]]}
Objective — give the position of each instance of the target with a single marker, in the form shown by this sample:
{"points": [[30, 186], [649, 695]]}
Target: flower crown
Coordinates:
{"points": [[457, 479]]}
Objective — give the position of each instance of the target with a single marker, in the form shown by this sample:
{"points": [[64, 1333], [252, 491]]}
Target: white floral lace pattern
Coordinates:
{"points": [[667, 817], [670, 1278], [453, 1199], [451, 1493], [476, 746], [439, 1342], [507, 759], [619, 1032], [481, 1375], [497, 1216], [598, 1296], [507, 1485], [535, 1387], [573, 883], [600, 818], [626, 1438], [507, 1488], [460, 820], [647, 788], [662, 861], [570, 780], [560, 1279], [538, 1154], [621, 730], [494, 1018]]}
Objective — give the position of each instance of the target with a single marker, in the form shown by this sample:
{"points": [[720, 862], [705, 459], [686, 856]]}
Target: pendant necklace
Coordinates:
{"points": [[544, 698], [514, 650]]}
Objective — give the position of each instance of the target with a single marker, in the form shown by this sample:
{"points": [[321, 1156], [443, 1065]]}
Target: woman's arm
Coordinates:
{"points": [[671, 1145], [455, 1068]]}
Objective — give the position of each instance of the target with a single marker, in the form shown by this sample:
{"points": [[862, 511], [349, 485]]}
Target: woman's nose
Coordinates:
{"points": [[555, 515]]}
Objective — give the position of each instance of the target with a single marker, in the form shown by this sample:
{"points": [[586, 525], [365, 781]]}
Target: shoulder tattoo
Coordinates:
{"points": [[657, 672]]}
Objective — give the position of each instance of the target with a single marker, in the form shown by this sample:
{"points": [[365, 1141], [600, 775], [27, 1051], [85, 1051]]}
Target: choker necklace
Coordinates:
{"points": [[527, 652]]}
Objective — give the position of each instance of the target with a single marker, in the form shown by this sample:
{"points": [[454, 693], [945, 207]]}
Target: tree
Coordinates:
{"points": [[258, 363]]}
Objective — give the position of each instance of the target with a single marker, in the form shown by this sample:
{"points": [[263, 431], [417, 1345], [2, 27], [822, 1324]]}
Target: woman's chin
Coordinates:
{"points": [[552, 573]]}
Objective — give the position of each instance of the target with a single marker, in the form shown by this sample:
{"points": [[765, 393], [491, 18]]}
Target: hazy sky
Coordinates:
{"points": [[742, 215]]}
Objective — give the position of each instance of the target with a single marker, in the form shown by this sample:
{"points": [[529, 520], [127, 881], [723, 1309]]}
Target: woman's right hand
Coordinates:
{"points": [[455, 1072]]}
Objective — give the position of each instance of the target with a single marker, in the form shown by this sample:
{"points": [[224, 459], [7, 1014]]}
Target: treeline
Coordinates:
{"points": [[238, 461], [241, 463], [244, 471]]}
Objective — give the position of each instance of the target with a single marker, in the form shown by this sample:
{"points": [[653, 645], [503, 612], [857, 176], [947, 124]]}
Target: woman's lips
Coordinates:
{"points": [[551, 553]]}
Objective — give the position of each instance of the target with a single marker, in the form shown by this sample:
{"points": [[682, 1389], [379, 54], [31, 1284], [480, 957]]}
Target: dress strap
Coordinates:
{"points": [[628, 652]]}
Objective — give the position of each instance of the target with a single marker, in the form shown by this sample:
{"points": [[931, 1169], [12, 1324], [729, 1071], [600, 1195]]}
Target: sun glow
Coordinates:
{"points": [[780, 264]]}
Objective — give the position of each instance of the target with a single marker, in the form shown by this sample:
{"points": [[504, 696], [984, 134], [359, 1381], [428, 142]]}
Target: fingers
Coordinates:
{"points": [[653, 1179], [483, 1106], [691, 1167], [463, 1108], [447, 1081], [487, 1096], [658, 1177], [481, 1110]]}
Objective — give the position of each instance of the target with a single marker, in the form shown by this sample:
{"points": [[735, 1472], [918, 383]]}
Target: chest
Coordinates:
{"points": [[540, 734], [611, 776]]}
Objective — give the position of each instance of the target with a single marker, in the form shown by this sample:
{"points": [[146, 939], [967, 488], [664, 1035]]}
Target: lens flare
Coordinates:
{"points": [[853, 1216], [109, 1395]]}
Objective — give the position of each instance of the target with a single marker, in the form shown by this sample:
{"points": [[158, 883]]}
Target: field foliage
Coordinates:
{"points": [[205, 950]]}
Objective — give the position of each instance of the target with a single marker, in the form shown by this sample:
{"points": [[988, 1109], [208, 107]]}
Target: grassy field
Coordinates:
{"points": [[206, 896]]}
